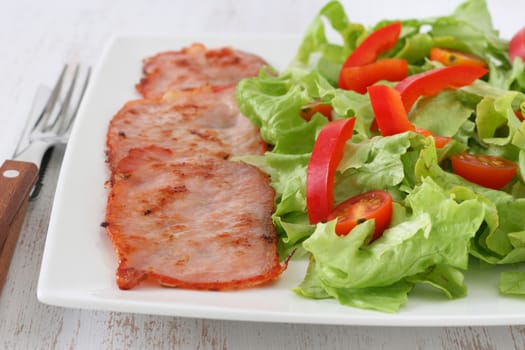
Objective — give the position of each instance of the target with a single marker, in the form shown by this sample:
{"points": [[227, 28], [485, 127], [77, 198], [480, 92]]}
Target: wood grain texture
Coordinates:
{"points": [[7, 248], [16, 181], [40, 37]]}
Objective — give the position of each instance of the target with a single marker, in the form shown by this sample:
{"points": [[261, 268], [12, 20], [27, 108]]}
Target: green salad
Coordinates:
{"points": [[440, 221]]}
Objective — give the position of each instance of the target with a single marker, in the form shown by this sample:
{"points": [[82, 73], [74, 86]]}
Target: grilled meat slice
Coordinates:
{"points": [[200, 223], [202, 122], [195, 66]]}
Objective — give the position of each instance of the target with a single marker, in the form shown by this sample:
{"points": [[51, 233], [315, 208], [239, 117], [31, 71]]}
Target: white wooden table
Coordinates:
{"points": [[36, 37]]}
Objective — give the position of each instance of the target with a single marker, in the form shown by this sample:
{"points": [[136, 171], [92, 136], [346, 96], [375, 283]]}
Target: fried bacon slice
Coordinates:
{"points": [[203, 122], [195, 66], [199, 223]]}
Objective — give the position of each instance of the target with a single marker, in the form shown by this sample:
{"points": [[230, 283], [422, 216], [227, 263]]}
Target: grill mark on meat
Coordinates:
{"points": [[269, 238]]}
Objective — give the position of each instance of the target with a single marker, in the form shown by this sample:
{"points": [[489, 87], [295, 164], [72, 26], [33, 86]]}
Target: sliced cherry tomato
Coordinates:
{"points": [[360, 77], [517, 45], [375, 205], [326, 155], [488, 171], [379, 41], [308, 111], [455, 58], [436, 80], [389, 111]]}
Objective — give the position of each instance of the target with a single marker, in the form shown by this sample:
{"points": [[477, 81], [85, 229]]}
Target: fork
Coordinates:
{"points": [[50, 126]]}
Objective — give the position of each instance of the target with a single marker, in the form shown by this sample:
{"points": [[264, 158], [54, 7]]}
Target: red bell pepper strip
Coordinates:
{"points": [[308, 111], [376, 43], [327, 153], [390, 114], [359, 78], [436, 80], [517, 45]]}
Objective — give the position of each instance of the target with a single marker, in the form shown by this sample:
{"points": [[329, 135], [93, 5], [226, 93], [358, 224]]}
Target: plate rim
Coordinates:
{"points": [[65, 297]]}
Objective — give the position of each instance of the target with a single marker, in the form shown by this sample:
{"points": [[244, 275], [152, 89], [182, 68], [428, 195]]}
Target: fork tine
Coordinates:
{"points": [[66, 126], [64, 103], [53, 99], [62, 107], [53, 124], [37, 109]]}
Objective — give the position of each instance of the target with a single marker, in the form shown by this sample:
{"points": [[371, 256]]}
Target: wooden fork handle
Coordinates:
{"points": [[16, 182]]}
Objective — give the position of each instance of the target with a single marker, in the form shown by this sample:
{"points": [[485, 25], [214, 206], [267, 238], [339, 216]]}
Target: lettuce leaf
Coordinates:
{"points": [[440, 220], [427, 243], [385, 299], [471, 24], [499, 239], [418, 226], [512, 282]]}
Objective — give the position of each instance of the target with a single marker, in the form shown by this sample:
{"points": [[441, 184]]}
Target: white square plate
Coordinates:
{"points": [[78, 267]]}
